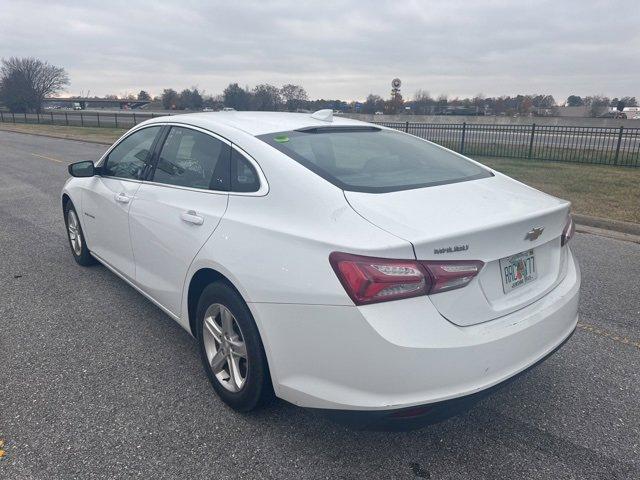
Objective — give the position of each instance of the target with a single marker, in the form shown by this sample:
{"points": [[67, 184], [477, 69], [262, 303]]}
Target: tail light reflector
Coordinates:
{"points": [[371, 280], [569, 230]]}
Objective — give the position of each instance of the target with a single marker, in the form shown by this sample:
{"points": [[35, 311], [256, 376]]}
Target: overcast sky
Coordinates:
{"points": [[334, 49]]}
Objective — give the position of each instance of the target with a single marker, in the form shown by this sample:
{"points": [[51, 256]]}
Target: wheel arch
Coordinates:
{"points": [[198, 282], [65, 200]]}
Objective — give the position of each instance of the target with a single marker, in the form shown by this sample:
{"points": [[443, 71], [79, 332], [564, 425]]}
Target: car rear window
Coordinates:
{"points": [[370, 159]]}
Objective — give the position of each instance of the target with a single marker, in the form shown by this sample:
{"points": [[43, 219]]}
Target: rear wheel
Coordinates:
{"points": [[75, 235], [231, 350]]}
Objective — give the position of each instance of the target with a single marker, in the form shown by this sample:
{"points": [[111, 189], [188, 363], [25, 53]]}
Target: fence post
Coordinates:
{"points": [[38, 114], [619, 143], [51, 113], [25, 117], [134, 119], [116, 115], [13, 115], [66, 118], [533, 132], [464, 131], [81, 120], [98, 117], [1, 116], [406, 127]]}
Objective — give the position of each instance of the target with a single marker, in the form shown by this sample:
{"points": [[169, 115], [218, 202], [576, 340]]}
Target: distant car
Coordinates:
{"points": [[613, 114], [228, 109], [379, 113], [341, 265], [208, 109]]}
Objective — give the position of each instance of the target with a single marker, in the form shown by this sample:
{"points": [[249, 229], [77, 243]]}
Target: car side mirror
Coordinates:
{"points": [[83, 169]]}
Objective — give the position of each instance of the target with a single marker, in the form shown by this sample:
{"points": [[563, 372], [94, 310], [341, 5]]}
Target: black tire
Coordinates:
{"points": [[257, 389], [82, 256]]}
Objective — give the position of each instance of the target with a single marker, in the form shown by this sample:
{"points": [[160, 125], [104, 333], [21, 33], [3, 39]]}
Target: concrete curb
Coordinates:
{"points": [[59, 137], [607, 224], [625, 237]]}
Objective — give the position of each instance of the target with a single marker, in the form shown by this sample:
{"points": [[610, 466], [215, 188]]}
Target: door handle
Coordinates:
{"points": [[190, 216], [122, 198]]}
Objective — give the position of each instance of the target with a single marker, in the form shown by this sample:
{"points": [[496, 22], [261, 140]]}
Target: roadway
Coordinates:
{"points": [[96, 382]]}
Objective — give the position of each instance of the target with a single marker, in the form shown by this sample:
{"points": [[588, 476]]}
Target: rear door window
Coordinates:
{"points": [[193, 159]]}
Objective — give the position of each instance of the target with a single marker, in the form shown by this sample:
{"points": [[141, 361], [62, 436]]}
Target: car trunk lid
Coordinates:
{"points": [[487, 219]]}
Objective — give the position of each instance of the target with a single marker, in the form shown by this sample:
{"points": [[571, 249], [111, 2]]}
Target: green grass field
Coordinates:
{"points": [[600, 191], [95, 134]]}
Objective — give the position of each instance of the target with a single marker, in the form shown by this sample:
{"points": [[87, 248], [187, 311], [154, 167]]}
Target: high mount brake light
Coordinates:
{"points": [[569, 230], [372, 280]]}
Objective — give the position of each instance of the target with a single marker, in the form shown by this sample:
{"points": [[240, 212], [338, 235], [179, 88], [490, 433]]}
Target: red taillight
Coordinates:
{"points": [[567, 233], [452, 274], [372, 280]]}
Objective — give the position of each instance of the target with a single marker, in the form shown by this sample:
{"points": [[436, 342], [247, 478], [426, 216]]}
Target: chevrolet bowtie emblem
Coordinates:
{"points": [[534, 233]]}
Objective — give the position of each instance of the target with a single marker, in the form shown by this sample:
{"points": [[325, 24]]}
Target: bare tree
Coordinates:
{"points": [[169, 99], [374, 103], [25, 82], [598, 104], [294, 96], [266, 97], [236, 97], [422, 102]]}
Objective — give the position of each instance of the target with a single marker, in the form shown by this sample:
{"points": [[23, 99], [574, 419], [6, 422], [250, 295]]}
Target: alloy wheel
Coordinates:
{"points": [[73, 227], [225, 347]]}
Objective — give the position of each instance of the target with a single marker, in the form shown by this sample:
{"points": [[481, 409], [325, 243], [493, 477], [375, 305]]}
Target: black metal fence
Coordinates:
{"points": [[618, 146], [73, 118]]}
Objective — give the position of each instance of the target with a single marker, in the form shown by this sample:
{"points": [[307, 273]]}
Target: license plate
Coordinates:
{"points": [[518, 270]]}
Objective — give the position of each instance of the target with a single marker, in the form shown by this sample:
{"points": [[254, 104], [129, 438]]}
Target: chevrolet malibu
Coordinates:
{"points": [[336, 264]]}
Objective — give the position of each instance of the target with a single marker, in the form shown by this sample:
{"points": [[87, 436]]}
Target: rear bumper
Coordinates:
{"points": [[395, 355], [419, 416]]}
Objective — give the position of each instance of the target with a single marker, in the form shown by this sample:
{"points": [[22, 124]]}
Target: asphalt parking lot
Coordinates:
{"points": [[96, 382]]}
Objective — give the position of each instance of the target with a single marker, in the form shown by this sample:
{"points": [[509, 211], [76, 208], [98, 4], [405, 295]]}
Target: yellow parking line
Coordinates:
{"points": [[604, 333], [48, 158]]}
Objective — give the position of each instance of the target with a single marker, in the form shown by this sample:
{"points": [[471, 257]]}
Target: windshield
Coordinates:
{"points": [[370, 159]]}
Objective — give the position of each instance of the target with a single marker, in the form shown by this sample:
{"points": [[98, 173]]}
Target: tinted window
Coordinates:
{"points": [[374, 160], [128, 158], [193, 159], [244, 177]]}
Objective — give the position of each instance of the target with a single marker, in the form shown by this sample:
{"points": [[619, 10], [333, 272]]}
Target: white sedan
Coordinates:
{"points": [[336, 264]]}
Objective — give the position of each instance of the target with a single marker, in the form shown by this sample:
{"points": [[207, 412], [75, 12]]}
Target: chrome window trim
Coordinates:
{"points": [[261, 192], [181, 187], [134, 180]]}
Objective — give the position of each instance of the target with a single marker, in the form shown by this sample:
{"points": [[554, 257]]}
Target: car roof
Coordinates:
{"points": [[255, 123]]}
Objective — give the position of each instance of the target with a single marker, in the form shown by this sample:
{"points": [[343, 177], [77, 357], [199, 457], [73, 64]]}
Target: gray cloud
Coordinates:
{"points": [[343, 49]]}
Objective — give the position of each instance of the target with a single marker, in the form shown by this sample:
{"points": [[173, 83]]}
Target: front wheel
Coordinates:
{"points": [[231, 350], [75, 235]]}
